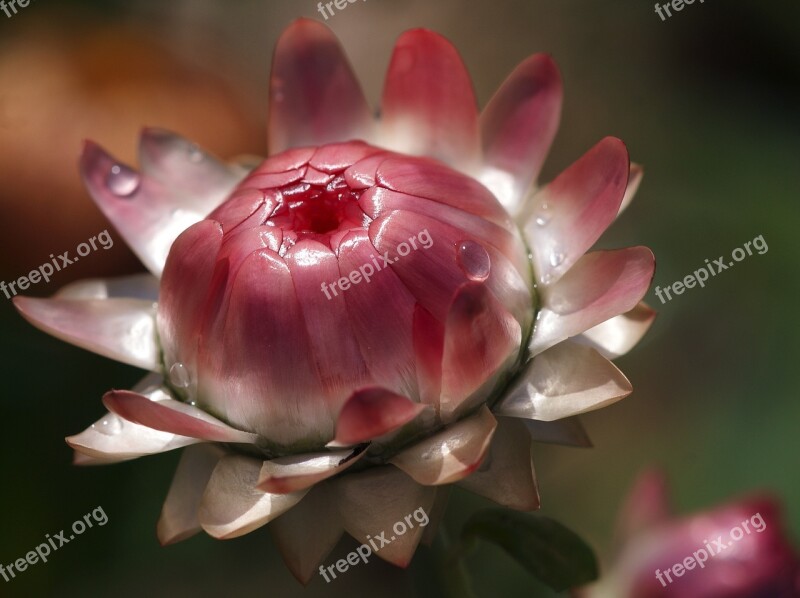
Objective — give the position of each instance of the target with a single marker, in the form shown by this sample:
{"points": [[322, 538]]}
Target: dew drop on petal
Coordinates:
{"points": [[179, 375], [556, 258], [543, 220], [473, 260], [122, 181], [195, 154], [110, 425]]}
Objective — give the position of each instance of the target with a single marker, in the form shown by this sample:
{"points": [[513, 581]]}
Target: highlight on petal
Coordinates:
{"points": [[373, 501], [150, 212], [297, 472], [308, 532], [481, 340], [135, 286], [518, 126], [373, 412], [178, 519], [566, 380], [565, 218], [634, 181], [173, 416], [232, 506], [451, 454], [428, 106], [603, 284], [618, 335], [314, 96], [120, 329], [507, 476], [567, 432]]}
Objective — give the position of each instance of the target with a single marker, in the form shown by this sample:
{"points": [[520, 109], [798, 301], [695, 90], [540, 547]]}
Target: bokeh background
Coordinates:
{"points": [[707, 101]]}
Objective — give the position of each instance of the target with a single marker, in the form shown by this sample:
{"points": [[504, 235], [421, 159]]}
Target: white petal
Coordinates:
{"points": [[178, 519], [232, 506], [566, 380], [121, 329]]}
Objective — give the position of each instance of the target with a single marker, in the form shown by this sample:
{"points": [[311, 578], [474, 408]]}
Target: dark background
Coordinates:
{"points": [[707, 101]]}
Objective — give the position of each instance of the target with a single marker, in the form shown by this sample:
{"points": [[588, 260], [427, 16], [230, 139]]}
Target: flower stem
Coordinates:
{"points": [[453, 577]]}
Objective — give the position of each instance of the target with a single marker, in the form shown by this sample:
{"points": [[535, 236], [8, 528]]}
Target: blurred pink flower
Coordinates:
{"points": [[737, 550], [346, 411]]}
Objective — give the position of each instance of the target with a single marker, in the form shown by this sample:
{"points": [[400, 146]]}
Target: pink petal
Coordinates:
{"points": [[373, 412], [620, 334], [429, 349], [290, 474], [379, 297], [481, 340], [507, 476], [603, 284], [336, 157], [291, 159], [379, 201], [361, 175], [428, 106], [314, 96], [149, 213], [431, 180], [450, 455], [567, 379], [187, 280], [518, 127], [173, 416], [333, 344], [112, 439], [232, 506], [121, 329], [371, 502], [433, 275], [571, 213], [178, 520], [308, 532], [261, 371]]}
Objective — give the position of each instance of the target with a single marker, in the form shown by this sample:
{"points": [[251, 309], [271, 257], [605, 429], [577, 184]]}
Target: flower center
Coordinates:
{"points": [[310, 210]]}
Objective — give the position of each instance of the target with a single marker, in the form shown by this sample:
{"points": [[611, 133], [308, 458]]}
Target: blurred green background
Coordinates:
{"points": [[707, 101]]}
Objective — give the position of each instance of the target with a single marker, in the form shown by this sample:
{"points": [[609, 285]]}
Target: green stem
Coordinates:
{"points": [[453, 577]]}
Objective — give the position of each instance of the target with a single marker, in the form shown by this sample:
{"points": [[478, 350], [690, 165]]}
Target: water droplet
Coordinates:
{"points": [[110, 426], [556, 258], [543, 219], [473, 260], [544, 207], [122, 181], [193, 403], [196, 155], [179, 375], [547, 279]]}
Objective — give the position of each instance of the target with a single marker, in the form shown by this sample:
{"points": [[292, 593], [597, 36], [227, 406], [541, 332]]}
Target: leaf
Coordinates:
{"points": [[549, 551]]}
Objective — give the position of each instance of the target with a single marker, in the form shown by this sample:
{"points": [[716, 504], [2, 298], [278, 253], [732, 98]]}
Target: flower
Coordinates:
{"points": [[736, 550], [333, 412]]}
